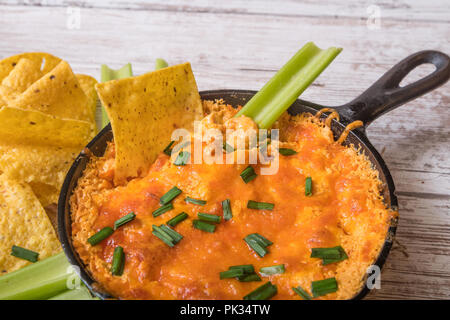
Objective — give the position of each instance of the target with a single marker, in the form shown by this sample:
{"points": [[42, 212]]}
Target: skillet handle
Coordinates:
{"points": [[386, 94]]}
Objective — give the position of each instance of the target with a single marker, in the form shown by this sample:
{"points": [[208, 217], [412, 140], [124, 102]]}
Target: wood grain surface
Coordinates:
{"points": [[240, 44]]}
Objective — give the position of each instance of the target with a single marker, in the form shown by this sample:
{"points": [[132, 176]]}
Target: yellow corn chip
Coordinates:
{"points": [[39, 164], [46, 194], [34, 127], [88, 83], [46, 62], [20, 78], [24, 223], [144, 111], [58, 93]]}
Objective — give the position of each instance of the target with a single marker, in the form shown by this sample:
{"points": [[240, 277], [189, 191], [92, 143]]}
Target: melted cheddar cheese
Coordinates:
{"points": [[345, 209]]}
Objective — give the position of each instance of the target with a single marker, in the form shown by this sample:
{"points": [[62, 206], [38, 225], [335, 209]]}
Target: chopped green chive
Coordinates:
{"points": [[302, 293], [25, 254], [170, 195], [100, 236], [162, 209], [269, 271], [195, 201], [118, 261], [177, 219], [249, 278], [308, 187], [287, 152], [167, 235], [227, 147], [182, 158], [248, 174], [172, 233], [226, 206], [204, 226], [247, 268], [260, 205], [232, 273], [258, 243], [163, 236], [329, 255], [125, 219], [323, 287], [168, 149], [208, 217], [264, 292]]}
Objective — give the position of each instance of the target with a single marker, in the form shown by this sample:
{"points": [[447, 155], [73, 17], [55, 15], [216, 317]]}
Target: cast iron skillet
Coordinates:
{"points": [[383, 96]]}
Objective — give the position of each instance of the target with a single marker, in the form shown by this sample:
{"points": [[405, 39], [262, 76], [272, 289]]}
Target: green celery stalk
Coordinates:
{"points": [[41, 280], [287, 84], [108, 74], [160, 63], [81, 293]]}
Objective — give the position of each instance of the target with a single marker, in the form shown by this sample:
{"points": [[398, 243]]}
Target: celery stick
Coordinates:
{"points": [[108, 74], [81, 293], [287, 84], [41, 280], [160, 63]]}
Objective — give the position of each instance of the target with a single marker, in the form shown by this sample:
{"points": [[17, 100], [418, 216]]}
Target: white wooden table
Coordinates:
{"points": [[239, 44]]}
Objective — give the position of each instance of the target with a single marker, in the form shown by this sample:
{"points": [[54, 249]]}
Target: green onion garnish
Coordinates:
{"points": [[118, 261], [182, 158], [195, 201], [287, 84], [264, 292], [167, 235], [249, 278], [227, 147], [308, 186], [258, 243], [323, 287], [163, 236], [226, 207], [302, 293], [248, 174], [231, 273], [260, 205], [247, 268], [162, 209], [204, 226], [329, 255], [172, 233], [287, 152], [100, 236], [177, 219], [125, 219], [208, 217], [168, 149], [25, 254], [170, 195], [269, 271]]}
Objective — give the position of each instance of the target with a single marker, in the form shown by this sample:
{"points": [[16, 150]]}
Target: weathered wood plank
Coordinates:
{"points": [[419, 10]]}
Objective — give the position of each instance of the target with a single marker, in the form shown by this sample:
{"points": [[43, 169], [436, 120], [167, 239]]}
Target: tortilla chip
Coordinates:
{"points": [[58, 93], [143, 112], [34, 127], [46, 62], [46, 194], [24, 223], [88, 83], [20, 78], [39, 164]]}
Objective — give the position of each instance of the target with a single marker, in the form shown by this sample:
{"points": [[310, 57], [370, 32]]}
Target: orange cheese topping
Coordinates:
{"points": [[345, 209]]}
